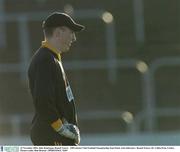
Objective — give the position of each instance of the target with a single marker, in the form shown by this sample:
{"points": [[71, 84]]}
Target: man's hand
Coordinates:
{"points": [[70, 131]]}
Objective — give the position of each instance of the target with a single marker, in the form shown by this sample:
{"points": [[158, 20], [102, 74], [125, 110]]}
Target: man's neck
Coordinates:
{"points": [[53, 44], [52, 48]]}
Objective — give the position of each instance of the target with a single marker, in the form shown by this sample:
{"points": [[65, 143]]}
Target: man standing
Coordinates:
{"points": [[55, 120]]}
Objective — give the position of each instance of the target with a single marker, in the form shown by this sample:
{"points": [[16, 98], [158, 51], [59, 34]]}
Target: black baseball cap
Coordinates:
{"points": [[57, 19]]}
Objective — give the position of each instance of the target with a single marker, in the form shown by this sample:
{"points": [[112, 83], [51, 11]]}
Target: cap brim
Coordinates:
{"points": [[77, 27]]}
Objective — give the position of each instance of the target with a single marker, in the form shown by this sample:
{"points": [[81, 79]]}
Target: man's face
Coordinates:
{"points": [[66, 38]]}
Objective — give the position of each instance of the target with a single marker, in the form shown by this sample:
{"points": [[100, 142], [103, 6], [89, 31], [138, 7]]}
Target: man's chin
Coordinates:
{"points": [[66, 50]]}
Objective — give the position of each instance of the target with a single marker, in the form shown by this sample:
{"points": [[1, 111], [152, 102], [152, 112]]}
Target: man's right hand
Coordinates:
{"points": [[70, 131]]}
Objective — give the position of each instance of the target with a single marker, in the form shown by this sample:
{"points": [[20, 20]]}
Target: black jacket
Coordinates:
{"points": [[50, 91]]}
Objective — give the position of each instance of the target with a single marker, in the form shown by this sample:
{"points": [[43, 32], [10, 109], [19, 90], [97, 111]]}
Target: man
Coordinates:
{"points": [[55, 120]]}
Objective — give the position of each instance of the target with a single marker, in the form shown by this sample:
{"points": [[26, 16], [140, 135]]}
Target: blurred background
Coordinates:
{"points": [[124, 69]]}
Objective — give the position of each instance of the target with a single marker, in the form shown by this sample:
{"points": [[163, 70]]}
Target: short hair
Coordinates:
{"points": [[48, 32]]}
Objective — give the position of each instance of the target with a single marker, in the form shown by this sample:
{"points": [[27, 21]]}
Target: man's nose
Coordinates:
{"points": [[73, 37]]}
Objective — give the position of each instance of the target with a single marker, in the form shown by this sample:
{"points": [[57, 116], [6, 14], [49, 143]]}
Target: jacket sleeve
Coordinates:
{"points": [[44, 90]]}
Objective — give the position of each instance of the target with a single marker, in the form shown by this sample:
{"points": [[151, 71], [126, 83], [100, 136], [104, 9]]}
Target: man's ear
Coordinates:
{"points": [[57, 32]]}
